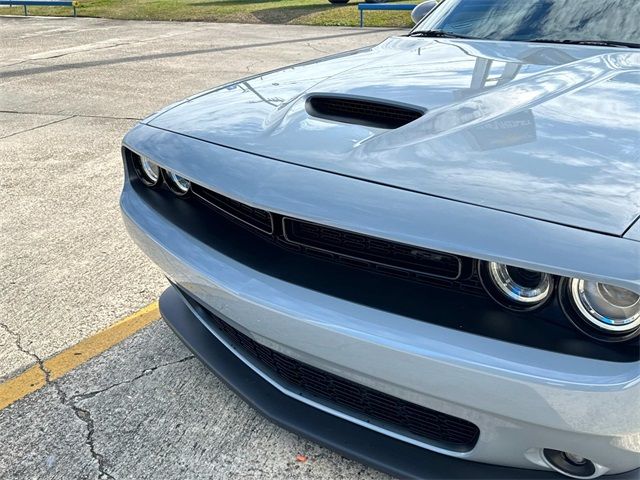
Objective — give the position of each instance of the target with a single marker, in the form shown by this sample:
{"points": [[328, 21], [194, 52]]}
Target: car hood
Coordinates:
{"points": [[546, 131]]}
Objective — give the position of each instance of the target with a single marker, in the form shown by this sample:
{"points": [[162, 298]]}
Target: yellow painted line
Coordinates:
{"points": [[18, 387], [33, 379]]}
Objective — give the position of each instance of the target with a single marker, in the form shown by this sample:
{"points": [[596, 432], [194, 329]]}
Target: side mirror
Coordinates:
{"points": [[422, 10]]}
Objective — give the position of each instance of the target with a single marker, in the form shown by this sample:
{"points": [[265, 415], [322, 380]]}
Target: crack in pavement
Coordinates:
{"points": [[18, 343], [84, 414], [67, 117], [62, 54], [37, 126], [60, 114], [98, 46], [319, 50], [146, 372], [179, 54], [85, 417]]}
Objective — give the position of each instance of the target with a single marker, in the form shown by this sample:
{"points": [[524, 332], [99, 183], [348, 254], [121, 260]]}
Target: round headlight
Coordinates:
{"points": [[608, 308], [148, 171], [516, 287], [177, 184]]}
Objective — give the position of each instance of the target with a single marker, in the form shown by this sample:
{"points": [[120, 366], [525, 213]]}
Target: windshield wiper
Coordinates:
{"points": [[437, 34], [596, 43]]}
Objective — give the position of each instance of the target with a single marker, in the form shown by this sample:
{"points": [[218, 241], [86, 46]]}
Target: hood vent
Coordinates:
{"points": [[359, 111]]}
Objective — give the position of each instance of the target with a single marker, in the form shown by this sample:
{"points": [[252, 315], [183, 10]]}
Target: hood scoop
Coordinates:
{"points": [[361, 111]]}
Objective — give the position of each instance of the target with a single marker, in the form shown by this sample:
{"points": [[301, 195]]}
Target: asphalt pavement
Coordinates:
{"points": [[69, 90]]}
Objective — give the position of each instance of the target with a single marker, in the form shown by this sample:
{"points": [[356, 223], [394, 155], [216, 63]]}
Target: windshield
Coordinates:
{"points": [[571, 21]]}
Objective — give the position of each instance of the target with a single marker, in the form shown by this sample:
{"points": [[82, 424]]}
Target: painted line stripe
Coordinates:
{"points": [[33, 379], [18, 387]]}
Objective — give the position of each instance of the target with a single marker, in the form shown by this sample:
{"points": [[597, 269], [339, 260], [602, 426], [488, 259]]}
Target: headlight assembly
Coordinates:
{"points": [[514, 287], [603, 311], [177, 184], [148, 171]]}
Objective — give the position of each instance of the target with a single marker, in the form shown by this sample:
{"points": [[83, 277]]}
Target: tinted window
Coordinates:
{"points": [[526, 20]]}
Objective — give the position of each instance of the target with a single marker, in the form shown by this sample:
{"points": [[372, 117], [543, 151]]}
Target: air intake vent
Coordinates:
{"points": [[353, 399], [372, 113]]}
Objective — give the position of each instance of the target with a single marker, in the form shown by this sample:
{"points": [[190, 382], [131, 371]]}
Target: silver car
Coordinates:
{"points": [[424, 254]]}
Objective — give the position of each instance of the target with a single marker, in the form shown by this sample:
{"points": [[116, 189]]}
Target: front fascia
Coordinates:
{"points": [[392, 213]]}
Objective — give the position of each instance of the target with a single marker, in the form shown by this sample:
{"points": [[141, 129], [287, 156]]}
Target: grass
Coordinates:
{"points": [[301, 12]]}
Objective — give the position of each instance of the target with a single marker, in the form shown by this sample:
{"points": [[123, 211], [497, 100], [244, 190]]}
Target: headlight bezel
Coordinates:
{"points": [[173, 182], [491, 281], [144, 171]]}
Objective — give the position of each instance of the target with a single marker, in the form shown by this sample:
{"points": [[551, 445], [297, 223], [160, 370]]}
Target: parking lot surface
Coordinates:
{"points": [[69, 90]]}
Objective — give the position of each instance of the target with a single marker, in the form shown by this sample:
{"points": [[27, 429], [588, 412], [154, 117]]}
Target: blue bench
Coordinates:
{"points": [[41, 3], [382, 6]]}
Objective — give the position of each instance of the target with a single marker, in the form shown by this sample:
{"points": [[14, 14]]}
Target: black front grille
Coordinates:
{"points": [[377, 251], [378, 408], [254, 217], [358, 111], [349, 248]]}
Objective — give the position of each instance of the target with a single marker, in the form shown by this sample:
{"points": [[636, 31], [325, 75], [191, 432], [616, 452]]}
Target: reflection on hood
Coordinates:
{"points": [[546, 131]]}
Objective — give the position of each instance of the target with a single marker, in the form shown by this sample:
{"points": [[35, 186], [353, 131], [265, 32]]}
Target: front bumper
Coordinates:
{"points": [[395, 457], [522, 399], [380, 451]]}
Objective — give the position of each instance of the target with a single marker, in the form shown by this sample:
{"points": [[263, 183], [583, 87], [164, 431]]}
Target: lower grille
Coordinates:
{"points": [[378, 408]]}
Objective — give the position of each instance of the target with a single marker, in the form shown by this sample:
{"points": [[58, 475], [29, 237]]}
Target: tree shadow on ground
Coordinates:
{"points": [[231, 3], [288, 14], [282, 14]]}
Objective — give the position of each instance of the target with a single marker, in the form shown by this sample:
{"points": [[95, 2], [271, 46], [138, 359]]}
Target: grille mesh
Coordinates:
{"points": [[252, 216], [379, 408], [362, 112], [382, 253], [351, 249]]}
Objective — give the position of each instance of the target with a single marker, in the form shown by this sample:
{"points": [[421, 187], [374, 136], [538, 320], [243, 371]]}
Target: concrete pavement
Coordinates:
{"points": [[69, 90], [148, 409]]}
